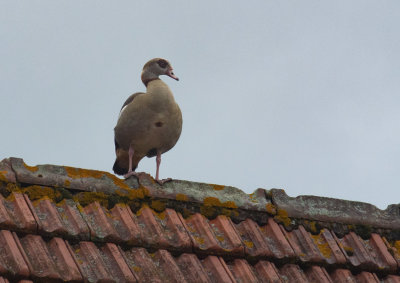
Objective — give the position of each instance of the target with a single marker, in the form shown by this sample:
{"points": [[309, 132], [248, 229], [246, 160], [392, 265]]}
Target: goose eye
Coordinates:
{"points": [[162, 63]]}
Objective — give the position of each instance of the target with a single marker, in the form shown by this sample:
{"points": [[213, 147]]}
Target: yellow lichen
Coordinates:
{"points": [[210, 205], [220, 238], [161, 215], [249, 244], [181, 197], [117, 181], [271, 209], [226, 212], [186, 213], [136, 268], [313, 227], [85, 198], [133, 194], [282, 216], [218, 187], [322, 245], [211, 201], [199, 240], [397, 246], [349, 250], [77, 173], [207, 211], [33, 169], [144, 206], [3, 176], [11, 187], [37, 202], [351, 227], [157, 205], [67, 183]]}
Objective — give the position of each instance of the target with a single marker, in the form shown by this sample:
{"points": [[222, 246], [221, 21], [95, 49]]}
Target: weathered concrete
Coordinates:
{"points": [[208, 199], [336, 210], [6, 172], [68, 177], [226, 196]]}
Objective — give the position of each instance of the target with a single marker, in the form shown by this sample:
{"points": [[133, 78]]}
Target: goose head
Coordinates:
{"points": [[155, 68]]}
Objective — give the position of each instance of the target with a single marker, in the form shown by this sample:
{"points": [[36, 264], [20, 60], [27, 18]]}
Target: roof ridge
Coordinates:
{"points": [[209, 199]]}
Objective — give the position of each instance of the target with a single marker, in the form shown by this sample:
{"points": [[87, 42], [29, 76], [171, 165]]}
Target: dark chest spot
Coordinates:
{"points": [[158, 124]]}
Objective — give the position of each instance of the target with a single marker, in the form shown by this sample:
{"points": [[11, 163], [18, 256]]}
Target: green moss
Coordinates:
{"points": [[85, 198], [208, 211], [158, 205], [133, 194], [364, 231]]}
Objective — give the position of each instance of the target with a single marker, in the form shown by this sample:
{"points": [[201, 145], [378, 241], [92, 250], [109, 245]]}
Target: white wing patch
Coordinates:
{"points": [[122, 110]]}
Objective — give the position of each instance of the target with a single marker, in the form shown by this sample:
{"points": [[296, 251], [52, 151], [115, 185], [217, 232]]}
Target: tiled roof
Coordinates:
{"points": [[59, 223]]}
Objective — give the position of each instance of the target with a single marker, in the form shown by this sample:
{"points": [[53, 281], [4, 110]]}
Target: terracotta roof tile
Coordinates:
{"points": [[242, 271], [106, 263], [174, 230], [367, 277], [380, 252], [168, 264], [125, 222], [391, 279], [90, 226], [394, 249], [62, 219], [369, 254], [50, 260], [163, 231], [16, 214], [217, 270], [303, 245], [267, 272], [318, 274], [142, 264], [101, 223], [217, 236], [328, 247], [293, 273], [342, 276], [11, 260], [192, 267], [266, 241]]}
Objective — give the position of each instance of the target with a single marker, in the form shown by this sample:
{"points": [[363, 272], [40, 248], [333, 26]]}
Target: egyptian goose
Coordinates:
{"points": [[149, 123]]}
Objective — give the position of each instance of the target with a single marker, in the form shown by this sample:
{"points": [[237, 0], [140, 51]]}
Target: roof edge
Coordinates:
{"points": [[208, 199]]}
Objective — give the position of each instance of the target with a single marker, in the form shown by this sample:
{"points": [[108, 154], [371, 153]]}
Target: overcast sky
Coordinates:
{"points": [[299, 95]]}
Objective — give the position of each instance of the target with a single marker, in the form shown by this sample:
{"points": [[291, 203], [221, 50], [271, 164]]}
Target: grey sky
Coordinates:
{"points": [[300, 95]]}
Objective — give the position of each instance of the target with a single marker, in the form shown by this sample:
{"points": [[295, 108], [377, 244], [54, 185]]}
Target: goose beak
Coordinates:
{"points": [[171, 74]]}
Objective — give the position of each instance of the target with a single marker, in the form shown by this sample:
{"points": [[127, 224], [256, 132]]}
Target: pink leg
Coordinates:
{"points": [[158, 161], [130, 172]]}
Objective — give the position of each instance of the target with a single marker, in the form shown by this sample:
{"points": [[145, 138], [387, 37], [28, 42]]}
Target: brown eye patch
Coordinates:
{"points": [[162, 63]]}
